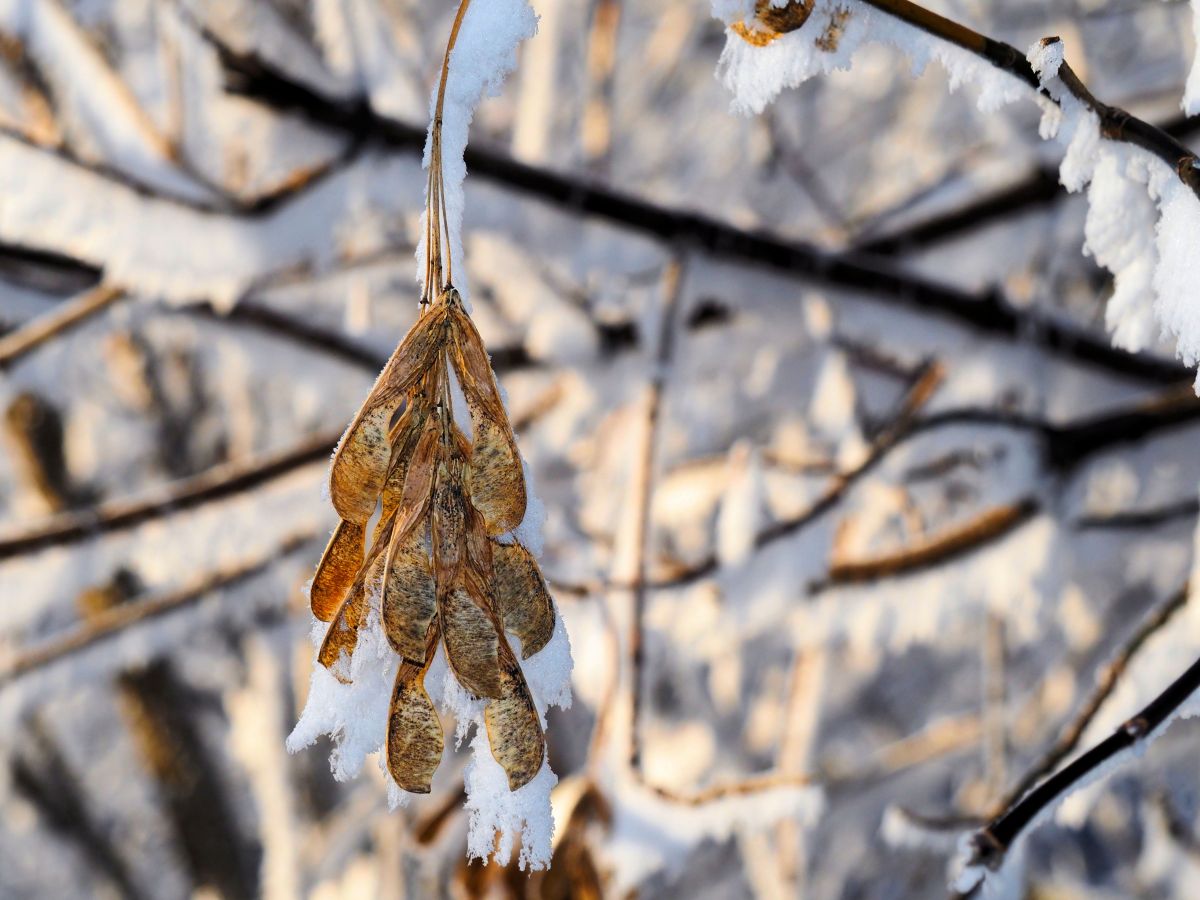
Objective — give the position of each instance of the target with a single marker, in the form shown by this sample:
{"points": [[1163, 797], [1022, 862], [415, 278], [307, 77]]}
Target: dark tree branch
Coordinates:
{"points": [[873, 275], [1115, 124], [109, 622], [992, 842], [1106, 683], [218, 483]]}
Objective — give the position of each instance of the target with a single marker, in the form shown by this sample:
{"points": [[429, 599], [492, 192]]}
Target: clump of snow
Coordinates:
{"points": [[483, 56], [354, 714], [1130, 189], [827, 42]]}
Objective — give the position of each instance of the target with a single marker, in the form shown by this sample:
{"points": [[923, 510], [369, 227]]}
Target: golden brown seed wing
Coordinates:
{"points": [[342, 634], [494, 474], [414, 739], [472, 641], [360, 464], [409, 594], [496, 481], [522, 600], [335, 574], [448, 521], [514, 732]]}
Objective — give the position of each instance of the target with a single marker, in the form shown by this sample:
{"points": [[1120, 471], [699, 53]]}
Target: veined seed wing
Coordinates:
{"points": [[522, 600], [339, 565], [360, 464], [496, 480], [342, 635], [414, 738], [514, 730], [409, 601], [472, 638]]}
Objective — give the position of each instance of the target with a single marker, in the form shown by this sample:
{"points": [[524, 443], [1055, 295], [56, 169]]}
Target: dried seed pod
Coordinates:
{"points": [[360, 464], [449, 517], [339, 565], [414, 738], [513, 727], [497, 481], [409, 601], [342, 635], [472, 639], [521, 598]]}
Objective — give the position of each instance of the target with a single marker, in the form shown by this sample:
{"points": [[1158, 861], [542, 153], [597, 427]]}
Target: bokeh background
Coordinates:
{"points": [[825, 394]]}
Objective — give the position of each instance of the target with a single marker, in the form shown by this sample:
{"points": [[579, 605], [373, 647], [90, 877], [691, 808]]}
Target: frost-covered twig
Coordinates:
{"points": [[56, 322], [1106, 683], [213, 485], [988, 847], [1116, 124], [115, 620], [873, 275]]}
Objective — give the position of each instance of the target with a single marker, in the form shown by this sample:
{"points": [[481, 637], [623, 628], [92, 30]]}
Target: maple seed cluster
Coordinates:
{"points": [[435, 564]]}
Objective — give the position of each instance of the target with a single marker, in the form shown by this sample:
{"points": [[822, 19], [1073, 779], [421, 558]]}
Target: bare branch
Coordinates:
{"points": [[991, 843], [62, 318], [215, 484], [112, 621]]}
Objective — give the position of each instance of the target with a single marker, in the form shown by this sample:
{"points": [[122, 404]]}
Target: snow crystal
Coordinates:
{"points": [[484, 54], [828, 41]]}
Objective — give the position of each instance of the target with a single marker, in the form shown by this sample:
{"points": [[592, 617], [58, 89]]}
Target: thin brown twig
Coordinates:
{"points": [[116, 619], [672, 288], [1106, 682], [217, 483], [62, 318], [991, 843], [990, 525]]}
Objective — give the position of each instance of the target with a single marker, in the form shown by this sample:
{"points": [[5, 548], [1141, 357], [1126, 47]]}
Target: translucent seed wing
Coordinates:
{"points": [[409, 593], [522, 600], [360, 463], [342, 635], [414, 738], [472, 641], [514, 730], [494, 474], [339, 564], [496, 480]]}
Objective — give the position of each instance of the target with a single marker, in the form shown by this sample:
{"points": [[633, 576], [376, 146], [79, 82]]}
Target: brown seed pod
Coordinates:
{"points": [[521, 598], [496, 480], [472, 638], [414, 738], [342, 635], [409, 601], [361, 462], [339, 565], [514, 730]]}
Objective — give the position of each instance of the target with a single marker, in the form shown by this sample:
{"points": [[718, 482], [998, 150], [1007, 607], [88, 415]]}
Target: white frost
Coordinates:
{"points": [[1131, 189], [828, 41], [483, 56]]}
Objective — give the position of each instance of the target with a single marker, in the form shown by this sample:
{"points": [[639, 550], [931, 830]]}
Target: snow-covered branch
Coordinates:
{"points": [[1130, 164]]}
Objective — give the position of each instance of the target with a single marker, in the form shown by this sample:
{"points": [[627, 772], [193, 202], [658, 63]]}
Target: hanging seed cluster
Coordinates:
{"points": [[434, 559]]}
